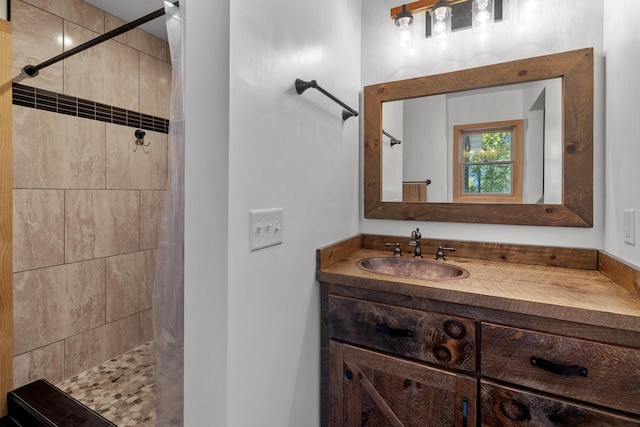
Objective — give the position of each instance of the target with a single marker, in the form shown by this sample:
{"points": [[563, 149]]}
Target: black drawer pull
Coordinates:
{"points": [[392, 332], [569, 370]]}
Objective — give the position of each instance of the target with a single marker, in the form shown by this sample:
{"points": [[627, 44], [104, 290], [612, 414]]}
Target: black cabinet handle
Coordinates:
{"points": [[568, 370], [392, 332], [465, 411]]}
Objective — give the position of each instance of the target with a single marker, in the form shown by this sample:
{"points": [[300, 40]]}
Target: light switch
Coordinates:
{"points": [[265, 228]]}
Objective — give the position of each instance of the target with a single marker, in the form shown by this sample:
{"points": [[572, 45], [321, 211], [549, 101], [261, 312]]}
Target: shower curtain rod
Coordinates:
{"points": [[301, 86], [33, 70]]}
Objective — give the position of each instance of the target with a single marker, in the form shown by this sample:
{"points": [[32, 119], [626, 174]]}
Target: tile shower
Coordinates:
{"points": [[86, 205]]}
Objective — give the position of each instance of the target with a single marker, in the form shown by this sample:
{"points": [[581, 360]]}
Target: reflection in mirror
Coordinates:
{"points": [[452, 140], [556, 181]]}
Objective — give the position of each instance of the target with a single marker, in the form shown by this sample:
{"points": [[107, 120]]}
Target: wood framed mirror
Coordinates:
{"points": [[575, 205]]}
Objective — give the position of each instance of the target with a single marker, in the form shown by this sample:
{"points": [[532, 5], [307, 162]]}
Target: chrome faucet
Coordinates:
{"points": [[415, 241]]}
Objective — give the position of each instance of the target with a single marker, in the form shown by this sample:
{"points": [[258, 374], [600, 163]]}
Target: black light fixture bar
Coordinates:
{"points": [[301, 86], [33, 70]]}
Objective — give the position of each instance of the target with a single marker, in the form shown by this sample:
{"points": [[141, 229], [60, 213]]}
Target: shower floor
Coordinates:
{"points": [[123, 389]]}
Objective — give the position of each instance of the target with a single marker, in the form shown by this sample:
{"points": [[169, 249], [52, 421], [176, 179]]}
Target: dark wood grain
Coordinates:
{"points": [[612, 371], [576, 70], [506, 407], [446, 341], [535, 323], [586, 259], [417, 395], [6, 221]]}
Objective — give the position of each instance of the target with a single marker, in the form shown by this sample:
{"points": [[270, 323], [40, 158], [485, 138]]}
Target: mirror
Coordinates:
{"points": [[423, 142], [445, 147]]}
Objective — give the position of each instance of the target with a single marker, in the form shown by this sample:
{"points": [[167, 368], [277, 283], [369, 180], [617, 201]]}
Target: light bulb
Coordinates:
{"points": [[483, 17], [405, 39], [440, 27], [482, 13]]}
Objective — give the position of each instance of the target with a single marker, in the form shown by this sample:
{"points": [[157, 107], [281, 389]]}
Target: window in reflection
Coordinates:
{"points": [[488, 162]]}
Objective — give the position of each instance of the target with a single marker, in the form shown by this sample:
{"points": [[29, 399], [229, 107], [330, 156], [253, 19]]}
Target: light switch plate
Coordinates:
{"points": [[630, 226], [265, 228]]}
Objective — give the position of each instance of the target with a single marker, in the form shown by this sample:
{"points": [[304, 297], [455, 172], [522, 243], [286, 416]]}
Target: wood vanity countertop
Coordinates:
{"points": [[577, 295]]}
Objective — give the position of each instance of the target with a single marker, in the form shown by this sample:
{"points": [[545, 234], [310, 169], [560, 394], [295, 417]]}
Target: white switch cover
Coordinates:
{"points": [[630, 226], [265, 228]]}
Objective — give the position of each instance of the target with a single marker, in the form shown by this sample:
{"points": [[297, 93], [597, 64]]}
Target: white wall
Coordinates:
{"points": [[555, 27], [295, 152], [3, 9], [392, 157], [253, 318], [426, 144], [206, 212], [622, 51]]}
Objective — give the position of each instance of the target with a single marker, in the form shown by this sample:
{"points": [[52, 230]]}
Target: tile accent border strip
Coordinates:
{"points": [[28, 96]]}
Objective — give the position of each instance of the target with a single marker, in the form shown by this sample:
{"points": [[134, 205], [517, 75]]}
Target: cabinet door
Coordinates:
{"points": [[506, 407], [369, 389]]}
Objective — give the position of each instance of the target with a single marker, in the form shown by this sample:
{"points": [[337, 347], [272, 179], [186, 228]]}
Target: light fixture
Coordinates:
{"points": [[404, 18], [441, 19], [482, 13], [468, 13]]}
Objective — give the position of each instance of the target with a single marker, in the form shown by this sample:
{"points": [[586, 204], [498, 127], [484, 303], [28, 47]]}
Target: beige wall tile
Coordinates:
{"points": [[100, 223], [151, 206], [53, 303], [129, 284], [113, 76], [36, 37], [146, 326], [38, 229], [57, 151], [155, 86], [130, 38], [151, 45], [129, 169], [98, 345], [45, 362], [52, 6], [83, 14]]}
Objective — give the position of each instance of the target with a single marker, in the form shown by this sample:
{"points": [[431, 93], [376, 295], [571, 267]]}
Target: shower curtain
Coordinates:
{"points": [[168, 293]]}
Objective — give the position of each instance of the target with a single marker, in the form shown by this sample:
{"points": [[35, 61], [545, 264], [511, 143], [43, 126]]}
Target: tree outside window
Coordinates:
{"points": [[488, 162]]}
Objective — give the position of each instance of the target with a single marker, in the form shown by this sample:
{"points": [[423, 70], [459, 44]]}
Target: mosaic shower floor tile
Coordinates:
{"points": [[122, 389]]}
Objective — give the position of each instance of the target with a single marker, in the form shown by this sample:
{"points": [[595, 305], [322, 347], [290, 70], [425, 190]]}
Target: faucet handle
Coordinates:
{"points": [[440, 253], [396, 250]]}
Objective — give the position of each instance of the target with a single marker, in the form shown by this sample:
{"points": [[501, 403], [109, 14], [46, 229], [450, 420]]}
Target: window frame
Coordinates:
{"points": [[516, 127]]}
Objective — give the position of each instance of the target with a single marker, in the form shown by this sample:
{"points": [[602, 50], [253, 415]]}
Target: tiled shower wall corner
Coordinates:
{"points": [[86, 206]]}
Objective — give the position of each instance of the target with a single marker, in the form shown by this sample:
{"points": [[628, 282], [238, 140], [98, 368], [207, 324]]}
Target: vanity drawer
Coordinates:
{"points": [[592, 372], [503, 406], [436, 338]]}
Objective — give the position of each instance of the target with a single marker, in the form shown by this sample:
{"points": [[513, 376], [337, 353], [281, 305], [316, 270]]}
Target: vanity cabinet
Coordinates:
{"points": [[392, 386], [591, 372], [373, 389], [395, 360], [505, 407]]}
